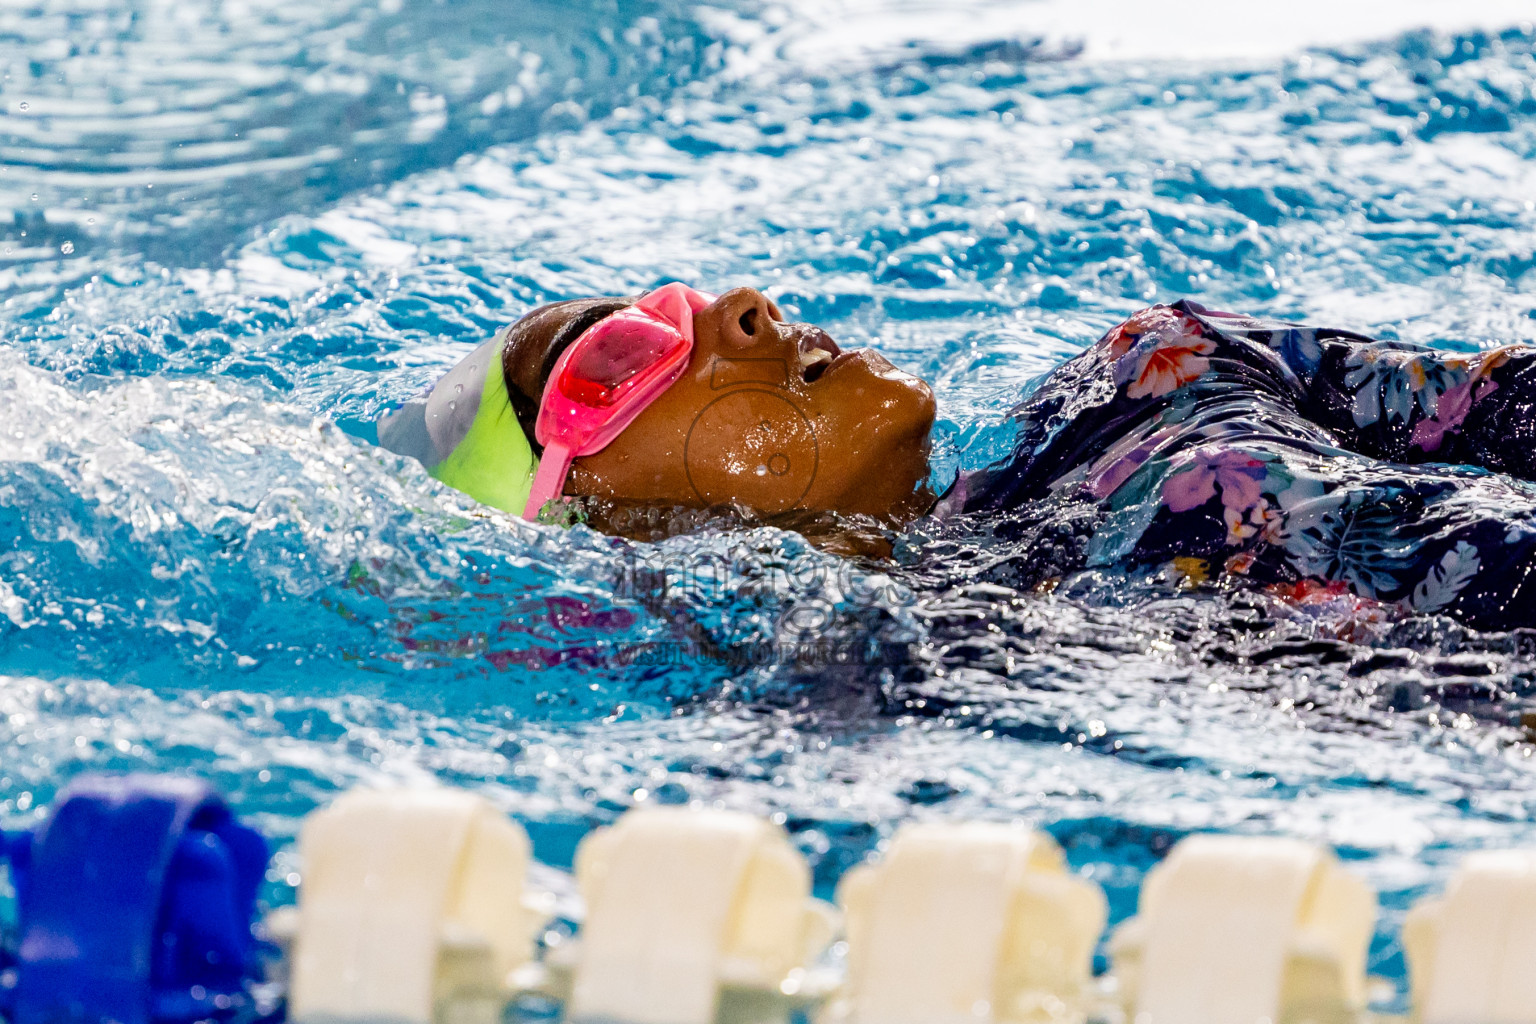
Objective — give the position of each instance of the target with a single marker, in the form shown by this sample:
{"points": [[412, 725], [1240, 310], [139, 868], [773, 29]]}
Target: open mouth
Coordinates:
{"points": [[817, 350]]}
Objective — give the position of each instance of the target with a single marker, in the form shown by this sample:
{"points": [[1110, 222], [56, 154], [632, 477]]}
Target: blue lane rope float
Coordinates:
{"points": [[135, 902]]}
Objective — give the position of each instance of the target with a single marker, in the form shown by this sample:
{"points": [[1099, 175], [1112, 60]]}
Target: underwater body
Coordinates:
{"points": [[241, 232]]}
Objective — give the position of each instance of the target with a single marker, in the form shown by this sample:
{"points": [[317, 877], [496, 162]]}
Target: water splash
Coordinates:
{"points": [[205, 574]]}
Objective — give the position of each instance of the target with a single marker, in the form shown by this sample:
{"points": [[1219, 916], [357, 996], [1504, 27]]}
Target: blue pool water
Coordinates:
{"points": [[241, 229]]}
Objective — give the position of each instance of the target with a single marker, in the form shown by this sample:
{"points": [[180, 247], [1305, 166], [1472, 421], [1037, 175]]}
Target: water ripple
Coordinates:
{"points": [[204, 572]]}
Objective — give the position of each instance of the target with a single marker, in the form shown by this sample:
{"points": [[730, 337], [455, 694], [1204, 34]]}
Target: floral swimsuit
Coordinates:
{"points": [[1285, 454]]}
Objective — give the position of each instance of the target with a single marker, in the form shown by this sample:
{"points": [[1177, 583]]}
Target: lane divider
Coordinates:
{"points": [[135, 904], [967, 923], [413, 906], [690, 914], [1239, 928], [1472, 952]]}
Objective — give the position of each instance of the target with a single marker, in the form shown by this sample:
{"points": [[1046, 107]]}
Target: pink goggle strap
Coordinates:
{"points": [[549, 481]]}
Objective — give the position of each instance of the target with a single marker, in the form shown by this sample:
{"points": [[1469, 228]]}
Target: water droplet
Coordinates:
{"points": [[34, 197], [458, 389], [90, 220], [25, 105], [761, 471], [452, 404], [67, 248]]}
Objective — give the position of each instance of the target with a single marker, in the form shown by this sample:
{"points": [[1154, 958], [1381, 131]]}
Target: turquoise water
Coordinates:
{"points": [[241, 229]]}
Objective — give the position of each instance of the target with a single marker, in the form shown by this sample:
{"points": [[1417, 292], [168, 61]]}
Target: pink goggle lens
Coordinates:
{"points": [[619, 350]]}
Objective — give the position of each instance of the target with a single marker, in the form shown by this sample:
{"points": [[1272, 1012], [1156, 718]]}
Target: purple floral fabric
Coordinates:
{"points": [[1281, 453]]}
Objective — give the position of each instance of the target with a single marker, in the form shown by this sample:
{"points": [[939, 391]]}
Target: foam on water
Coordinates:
{"points": [[204, 573]]}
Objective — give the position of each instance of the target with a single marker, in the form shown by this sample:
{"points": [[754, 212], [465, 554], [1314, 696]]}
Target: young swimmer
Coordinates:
{"points": [[1258, 449]]}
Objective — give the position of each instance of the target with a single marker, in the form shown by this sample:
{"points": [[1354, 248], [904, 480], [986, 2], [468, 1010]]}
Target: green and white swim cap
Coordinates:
{"points": [[466, 433]]}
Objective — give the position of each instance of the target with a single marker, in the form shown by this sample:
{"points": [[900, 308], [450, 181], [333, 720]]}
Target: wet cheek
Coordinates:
{"points": [[901, 408]]}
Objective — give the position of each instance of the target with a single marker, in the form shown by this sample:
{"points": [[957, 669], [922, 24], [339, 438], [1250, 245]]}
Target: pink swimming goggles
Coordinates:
{"points": [[610, 375]]}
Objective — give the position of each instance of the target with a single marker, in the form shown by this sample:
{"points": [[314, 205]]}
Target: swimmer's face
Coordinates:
{"points": [[769, 415]]}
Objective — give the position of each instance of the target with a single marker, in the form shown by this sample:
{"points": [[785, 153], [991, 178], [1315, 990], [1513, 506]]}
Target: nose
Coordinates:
{"points": [[746, 317]]}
